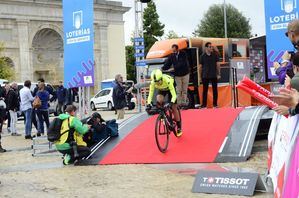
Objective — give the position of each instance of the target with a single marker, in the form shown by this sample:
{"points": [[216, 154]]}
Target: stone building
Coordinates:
{"points": [[32, 32]]}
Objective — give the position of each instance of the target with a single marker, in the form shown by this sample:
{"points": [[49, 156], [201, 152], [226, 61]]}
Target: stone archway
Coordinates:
{"points": [[47, 55]]}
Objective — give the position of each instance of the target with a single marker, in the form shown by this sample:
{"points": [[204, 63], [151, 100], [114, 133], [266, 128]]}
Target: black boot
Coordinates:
{"points": [[2, 150]]}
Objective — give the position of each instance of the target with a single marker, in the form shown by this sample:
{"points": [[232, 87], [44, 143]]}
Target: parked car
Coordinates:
{"points": [[103, 99]]}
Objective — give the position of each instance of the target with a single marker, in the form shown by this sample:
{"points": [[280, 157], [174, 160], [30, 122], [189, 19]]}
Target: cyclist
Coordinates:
{"points": [[165, 86]]}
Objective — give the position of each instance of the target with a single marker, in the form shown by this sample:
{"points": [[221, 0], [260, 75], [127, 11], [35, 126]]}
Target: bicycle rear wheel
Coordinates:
{"points": [[161, 134]]}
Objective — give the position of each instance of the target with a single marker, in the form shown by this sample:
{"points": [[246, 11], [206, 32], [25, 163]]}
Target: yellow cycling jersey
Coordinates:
{"points": [[167, 85]]}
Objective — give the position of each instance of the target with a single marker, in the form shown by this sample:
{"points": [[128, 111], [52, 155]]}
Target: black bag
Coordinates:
{"points": [[54, 130]]}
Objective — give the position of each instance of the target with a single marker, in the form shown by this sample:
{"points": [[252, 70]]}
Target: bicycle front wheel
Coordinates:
{"points": [[161, 134]]}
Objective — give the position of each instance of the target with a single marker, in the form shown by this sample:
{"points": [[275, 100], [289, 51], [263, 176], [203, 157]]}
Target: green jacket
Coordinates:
{"points": [[80, 130], [167, 85]]}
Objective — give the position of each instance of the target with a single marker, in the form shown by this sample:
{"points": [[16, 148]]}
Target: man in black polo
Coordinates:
{"points": [[210, 72]]}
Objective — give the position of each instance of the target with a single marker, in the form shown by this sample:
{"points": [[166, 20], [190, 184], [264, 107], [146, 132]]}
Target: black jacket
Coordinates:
{"points": [[119, 96], [13, 102], [180, 64]]}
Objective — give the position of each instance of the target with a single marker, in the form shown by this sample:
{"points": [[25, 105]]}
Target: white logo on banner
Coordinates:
{"points": [[281, 21], [288, 5], [80, 34], [78, 19]]}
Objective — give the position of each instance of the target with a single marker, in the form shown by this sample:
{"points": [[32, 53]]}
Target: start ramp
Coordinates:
{"points": [[211, 135]]}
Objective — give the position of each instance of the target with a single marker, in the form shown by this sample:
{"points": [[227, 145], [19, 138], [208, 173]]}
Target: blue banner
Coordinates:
{"points": [[278, 14], [78, 43]]}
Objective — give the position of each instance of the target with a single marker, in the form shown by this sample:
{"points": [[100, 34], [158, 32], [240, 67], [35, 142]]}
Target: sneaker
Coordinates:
{"points": [[215, 107], [28, 137], [2, 150], [8, 130], [15, 134], [179, 132], [66, 159]]}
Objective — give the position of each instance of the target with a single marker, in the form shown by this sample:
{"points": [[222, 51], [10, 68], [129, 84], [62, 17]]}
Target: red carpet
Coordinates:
{"points": [[203, 134]]}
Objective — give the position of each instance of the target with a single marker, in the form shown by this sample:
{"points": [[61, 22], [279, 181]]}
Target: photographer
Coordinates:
{"points": [[71, 143], [97, 131], [119, 96]]}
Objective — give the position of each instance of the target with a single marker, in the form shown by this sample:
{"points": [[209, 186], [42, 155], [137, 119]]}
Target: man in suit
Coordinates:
{"points": [[178, 59]]}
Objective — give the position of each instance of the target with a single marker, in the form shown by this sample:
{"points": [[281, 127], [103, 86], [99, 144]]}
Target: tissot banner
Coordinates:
{"points": [[78, 43], [278, 14]]}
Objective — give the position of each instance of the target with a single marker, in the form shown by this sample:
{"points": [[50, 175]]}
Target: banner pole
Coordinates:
{"points": [[80, 101]]}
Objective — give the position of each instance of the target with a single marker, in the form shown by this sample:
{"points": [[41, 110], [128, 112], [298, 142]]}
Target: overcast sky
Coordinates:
{"points": [[182, 16]]}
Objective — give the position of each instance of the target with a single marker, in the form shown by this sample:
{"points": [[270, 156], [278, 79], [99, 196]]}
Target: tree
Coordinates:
{"points": [[152, 27], [172, 35], [130, 63], [212, 24], [6, 71]]}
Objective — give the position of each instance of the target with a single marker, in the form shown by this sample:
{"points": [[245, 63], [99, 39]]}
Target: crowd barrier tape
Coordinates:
{"points": [[281, 146]]}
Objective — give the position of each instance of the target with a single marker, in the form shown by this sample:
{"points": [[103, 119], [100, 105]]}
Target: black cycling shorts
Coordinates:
{"points": [[167, 96]]}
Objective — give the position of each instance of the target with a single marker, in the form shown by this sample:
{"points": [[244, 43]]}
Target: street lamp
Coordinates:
{"points": [[225, 23]]}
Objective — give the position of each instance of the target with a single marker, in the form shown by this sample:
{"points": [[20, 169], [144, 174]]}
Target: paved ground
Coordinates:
{"points": [[25, 176]]}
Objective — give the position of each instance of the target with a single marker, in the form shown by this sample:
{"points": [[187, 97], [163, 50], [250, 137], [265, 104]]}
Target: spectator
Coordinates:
{"points": [[69, 96], [290, 82], [180, 64], [97, 131], [66, 145], [13, 106], [61, 93], [281, 70], [43, 110], [210, 72], [119, 96], [2, 114], [26, 107], [293, 32], [288, 98], [293, 35], [6, 90]]}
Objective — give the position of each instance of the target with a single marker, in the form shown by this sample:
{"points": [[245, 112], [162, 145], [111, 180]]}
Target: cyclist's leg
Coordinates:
{"points": [[175, 112], [160, 98]]}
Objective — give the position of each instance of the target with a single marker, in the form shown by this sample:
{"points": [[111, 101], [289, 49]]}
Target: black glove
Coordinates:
{"points": [[148, 107]]}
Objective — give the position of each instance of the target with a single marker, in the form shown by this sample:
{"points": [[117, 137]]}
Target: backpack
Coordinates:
{"points": [[54, 130], [112, 128], [37, 103]]}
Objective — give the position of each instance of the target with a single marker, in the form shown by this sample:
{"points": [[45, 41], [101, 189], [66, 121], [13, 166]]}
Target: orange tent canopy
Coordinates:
{"points": [[162, 49]]}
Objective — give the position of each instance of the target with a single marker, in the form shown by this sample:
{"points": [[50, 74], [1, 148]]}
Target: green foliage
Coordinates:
{"points": [[152, 27], [6, 72], [172, 35], [130, 63], [212, 24]]}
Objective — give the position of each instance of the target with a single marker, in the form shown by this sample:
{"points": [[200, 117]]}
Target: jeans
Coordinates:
{"points": [[28, 124], [13, 121], [34, 120], [60, 107], [205, 82], [182, 83], [43, 116]]}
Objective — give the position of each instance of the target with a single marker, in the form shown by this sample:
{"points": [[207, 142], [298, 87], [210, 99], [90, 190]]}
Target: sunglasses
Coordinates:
{"points": [[287, 33], [209, 46]]}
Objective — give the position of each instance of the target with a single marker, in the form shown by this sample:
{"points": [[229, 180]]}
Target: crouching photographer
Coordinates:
{"points": [[70, 142], [97, 131]]}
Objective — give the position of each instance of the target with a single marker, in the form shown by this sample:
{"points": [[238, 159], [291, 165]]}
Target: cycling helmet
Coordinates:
{"points": [[156, 75]]}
